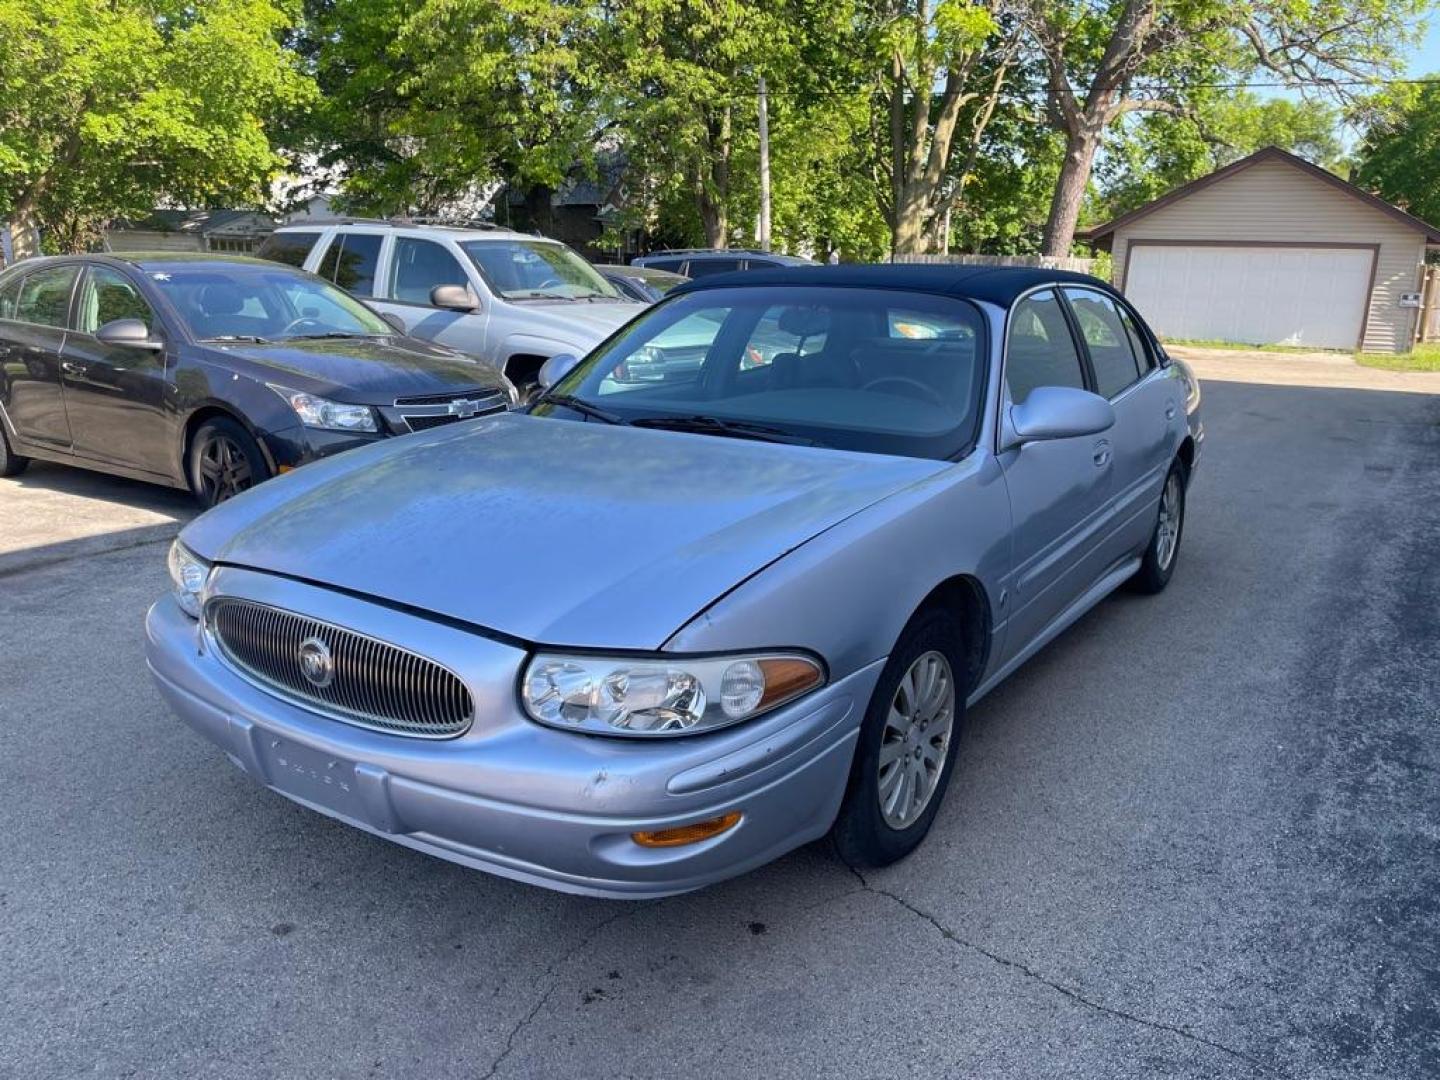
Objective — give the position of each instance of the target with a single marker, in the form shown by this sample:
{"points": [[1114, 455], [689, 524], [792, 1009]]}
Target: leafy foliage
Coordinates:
{"points": [[1399, 156], [112, 108]]}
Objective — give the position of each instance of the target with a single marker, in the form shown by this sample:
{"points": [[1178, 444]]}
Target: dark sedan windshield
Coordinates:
{"points": [[876, 370], [242, 302]]}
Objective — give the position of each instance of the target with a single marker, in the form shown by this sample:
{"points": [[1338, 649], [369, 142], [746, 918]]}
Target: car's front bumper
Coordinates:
{"points": [[509, 796]]}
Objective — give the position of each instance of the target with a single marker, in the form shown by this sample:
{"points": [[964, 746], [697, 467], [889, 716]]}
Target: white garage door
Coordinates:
{"points": [[1255, 295]]}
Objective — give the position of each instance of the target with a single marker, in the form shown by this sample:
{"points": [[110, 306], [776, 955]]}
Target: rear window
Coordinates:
{"points": [[290, 248], [705, 267], [45, 296]]}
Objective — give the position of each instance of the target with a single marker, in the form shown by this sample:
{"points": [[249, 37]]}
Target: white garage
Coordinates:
{"points": [[1272, 251]]}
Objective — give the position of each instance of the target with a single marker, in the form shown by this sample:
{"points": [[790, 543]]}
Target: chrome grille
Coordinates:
{"points": [[371, 683], [432, 410]]}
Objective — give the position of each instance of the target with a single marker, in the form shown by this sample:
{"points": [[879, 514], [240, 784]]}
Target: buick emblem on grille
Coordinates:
{"points": [[316, 663], [464, 408]]}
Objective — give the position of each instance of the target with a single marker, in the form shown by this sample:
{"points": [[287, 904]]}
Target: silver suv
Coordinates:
{"points": [[506, 297]]}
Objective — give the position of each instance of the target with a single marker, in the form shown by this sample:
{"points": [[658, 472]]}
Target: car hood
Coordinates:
{"points": [[368, 371], [553, 531], [581, 324]]}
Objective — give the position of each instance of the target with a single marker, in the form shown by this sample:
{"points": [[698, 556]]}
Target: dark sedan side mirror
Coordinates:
{"points": [[1058, 412], [453, 298], [556, 368], [130, 333]]}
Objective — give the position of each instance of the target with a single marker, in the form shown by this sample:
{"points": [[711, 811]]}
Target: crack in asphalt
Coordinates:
{"points": [[1073, 995], [550, 970]]}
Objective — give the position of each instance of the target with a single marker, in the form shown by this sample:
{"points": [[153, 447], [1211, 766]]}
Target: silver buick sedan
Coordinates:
{"points": [[728, 587]]}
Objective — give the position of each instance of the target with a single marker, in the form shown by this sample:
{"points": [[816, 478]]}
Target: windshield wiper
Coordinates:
{"points": [[241, 337], [715, 425], [580, 405], [329, 335]]}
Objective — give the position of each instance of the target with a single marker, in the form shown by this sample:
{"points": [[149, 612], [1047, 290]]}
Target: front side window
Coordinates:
{"points": [[241, 303], [45, 296], [1111, 355], [108, 295], [290, 248], [795, 363], [1041, 350], [536, 270], [352, 261], [419, 266]]}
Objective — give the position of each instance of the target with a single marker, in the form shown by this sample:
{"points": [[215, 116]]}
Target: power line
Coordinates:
{"points": [[1148, 87]]}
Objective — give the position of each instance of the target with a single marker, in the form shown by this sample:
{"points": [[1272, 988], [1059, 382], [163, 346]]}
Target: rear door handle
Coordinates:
{"points": [[1102, 453]]}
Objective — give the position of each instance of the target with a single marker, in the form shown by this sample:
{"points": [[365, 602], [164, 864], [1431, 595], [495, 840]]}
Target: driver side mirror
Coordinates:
{"points": [[556, 368], [1057, 412], [129, 333], [453, 298]]}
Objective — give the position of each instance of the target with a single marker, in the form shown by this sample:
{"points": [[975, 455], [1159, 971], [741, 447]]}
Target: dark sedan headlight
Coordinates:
{"points": [[327, 415], [188, 573], [662, 695]]}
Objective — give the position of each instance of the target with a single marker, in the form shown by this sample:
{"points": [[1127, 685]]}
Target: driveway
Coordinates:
{"points": [[1195, 837]]}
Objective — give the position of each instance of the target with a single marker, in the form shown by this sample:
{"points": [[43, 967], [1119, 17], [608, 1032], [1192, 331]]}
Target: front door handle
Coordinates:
{"points": [[1169, 410], [1102, 453], [69, 367]]}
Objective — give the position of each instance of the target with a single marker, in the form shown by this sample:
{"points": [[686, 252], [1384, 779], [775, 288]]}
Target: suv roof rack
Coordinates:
{"points": [[710, 251], [399, 223]]}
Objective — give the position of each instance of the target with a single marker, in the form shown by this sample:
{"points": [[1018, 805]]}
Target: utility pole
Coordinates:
{"points": [[764, 169]]}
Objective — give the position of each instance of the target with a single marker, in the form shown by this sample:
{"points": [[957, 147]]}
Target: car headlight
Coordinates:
{"points": [[661, 695], [187, 577], [319, 412]]}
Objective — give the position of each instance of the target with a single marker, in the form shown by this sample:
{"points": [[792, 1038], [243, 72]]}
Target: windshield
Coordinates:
{"points": [[220, 303], [875, 370], [537, 270]]}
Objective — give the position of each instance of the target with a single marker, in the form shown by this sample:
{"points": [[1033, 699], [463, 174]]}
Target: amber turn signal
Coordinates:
{"points": [[687, 834], [785, 678]]}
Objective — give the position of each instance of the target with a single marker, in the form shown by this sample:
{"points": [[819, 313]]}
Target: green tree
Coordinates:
{"points": [[1112, 58], [1399, 155], [110, 108]]}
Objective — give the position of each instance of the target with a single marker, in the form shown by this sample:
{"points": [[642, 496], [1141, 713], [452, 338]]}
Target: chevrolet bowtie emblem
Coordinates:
{"points": [[464, 408]]}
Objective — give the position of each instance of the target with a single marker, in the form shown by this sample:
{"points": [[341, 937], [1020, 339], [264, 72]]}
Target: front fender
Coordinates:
{"points": [[848, 592]]}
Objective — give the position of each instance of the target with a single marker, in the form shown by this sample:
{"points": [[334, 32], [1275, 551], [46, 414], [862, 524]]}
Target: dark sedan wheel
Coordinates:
{"points": [[224, 461], [907, 746], [11, 463], [1163, 550]]}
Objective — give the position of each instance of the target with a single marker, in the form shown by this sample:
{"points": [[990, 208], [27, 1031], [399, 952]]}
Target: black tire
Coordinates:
{"points": [[1155, 569], [11, 463], [862, 836], [223, 461]]}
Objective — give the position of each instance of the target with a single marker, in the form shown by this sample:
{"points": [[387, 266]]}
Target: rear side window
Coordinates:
{"points": [[705, 267], [673, 265], [352, 262], [9, 293], [419, 266], [1041, 351], [1111, 354], [45, 296], [109, 295], [290, 248]]}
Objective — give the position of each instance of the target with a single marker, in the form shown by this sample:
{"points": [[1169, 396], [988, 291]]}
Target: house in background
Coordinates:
{"points": [[578, 212], [1273, 250], [237, 232]]}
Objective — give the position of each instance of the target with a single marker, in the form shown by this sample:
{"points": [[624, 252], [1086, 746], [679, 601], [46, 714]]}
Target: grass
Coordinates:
{"points": [[1236, 346], [1423, 358]]}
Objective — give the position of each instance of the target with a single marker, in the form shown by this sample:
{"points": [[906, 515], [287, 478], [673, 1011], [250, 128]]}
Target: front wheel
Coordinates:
{"points": [[1163, 550], [907, 746], [224, 461]]}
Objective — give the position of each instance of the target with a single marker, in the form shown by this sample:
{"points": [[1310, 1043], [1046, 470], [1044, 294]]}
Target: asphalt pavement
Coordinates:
{"points": [[1197, 836]]}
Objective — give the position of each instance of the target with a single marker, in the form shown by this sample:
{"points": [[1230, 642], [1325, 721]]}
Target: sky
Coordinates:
{"points": [[1426, 60]]}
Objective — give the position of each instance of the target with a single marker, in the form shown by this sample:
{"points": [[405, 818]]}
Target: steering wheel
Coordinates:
{"points": [[926, 393], [304, 320], [548, 282]]}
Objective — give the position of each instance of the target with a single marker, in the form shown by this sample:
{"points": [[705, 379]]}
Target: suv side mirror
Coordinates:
{"points": [[453, 298], [130, 333], [1058, 412], [556, 368]]}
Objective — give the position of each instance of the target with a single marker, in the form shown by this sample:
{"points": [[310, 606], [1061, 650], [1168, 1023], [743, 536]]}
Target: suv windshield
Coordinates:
{"points": [[245, 302], [876, 370], [536, 269]]}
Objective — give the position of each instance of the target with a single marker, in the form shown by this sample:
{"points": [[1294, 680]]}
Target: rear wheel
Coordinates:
{"points": [[224, 461], [1163, 551], [907, 747], [11, 463]]}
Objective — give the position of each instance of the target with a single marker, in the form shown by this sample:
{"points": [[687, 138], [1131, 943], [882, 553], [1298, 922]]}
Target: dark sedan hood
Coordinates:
{"points": [[368, 371], [550, 530]]}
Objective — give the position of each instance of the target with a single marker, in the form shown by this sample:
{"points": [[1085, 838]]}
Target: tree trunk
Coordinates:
{"points": [[1080, 147], [25, 226], [713, 198]]}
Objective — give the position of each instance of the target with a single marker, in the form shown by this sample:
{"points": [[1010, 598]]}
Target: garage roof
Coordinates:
{"points": [[1101, 235]]}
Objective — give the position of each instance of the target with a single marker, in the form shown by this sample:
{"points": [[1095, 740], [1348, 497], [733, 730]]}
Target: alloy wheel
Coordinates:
{"points": [[224, 469], [1167, 533], [915, 744]]}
